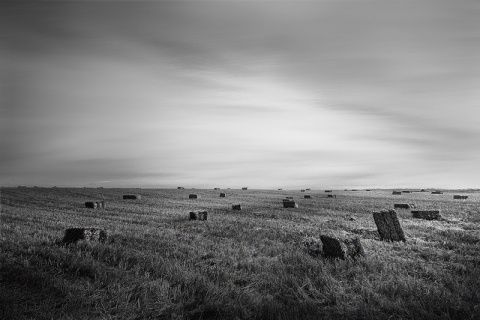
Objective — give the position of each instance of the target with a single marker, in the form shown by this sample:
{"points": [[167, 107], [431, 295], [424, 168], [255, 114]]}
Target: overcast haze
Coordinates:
{"points": [[324, 94]]}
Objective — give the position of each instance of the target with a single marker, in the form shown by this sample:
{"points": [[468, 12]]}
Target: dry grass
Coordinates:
{"points": [[248, 264]]}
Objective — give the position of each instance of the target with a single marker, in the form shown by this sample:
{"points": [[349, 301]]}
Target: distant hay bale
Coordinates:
{"points": [[437, 192], [200, 215], [73, 235], [244, 188], [222, 195], [396, 192], [91, 204], [459, 197], [426, 214], [331, 195], [401, 205], [236, 207], [131, 197], [280, 189], [307, 196], [368, 189], [288, 197], [193, 196], [406, 191], [180, 188], [216, 188], [289, 204], [341, 247], [388, 225], [303, 190], [308, 189], [330, 190]]}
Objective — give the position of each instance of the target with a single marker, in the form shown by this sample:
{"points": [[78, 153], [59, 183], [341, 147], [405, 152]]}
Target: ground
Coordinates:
{"points": [[248, 264]]}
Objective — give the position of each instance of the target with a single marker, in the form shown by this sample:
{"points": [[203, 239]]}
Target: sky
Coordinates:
{"points": [[290, 94]]}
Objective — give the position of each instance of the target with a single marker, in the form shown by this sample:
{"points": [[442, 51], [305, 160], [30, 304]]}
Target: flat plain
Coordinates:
{"points": [[248, 264]]}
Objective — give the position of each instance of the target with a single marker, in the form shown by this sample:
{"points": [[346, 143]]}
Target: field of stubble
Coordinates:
{"points": [[247, 264]]}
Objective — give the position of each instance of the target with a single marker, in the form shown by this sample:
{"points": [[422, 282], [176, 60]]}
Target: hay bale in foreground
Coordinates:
{"points": [[289, 204], [73, 235], [339, 247], [236, 207], [396, 192], [222, 195], [193, 216], [426, 214], [307, 196], [388, 225], [459, 197], [91, 204], [193, 196], [131, 197], [313, 246]]}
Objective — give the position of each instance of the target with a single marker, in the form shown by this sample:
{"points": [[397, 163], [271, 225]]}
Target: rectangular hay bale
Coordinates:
{"points": [[73, 235], [388, 225], [343, 248], [426, 214]]}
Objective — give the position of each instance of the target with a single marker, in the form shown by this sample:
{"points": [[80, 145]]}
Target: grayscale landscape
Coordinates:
{"points": [[240, 159]]}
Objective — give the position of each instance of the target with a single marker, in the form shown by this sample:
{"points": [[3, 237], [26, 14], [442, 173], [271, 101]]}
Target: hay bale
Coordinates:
{"points": [[340, 247], [308, 189], [459, 197], [216, 188], [91, 204], [401, 205], [368, 189], [330, 190], [244, 188], [280, 189], [303, 190], [307, 196], [222, 195], [388, 225], [426, 214], [236, 207], [193, 196], [406, 191], [131, 197], [396, 192], [437, 192], [193, 215], [331, 195], [180, 188], [289, 204], [288, 197], [73, 235]]}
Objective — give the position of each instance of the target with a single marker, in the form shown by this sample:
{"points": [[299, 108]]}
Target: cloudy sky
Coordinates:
{"points": [[320, 94]]}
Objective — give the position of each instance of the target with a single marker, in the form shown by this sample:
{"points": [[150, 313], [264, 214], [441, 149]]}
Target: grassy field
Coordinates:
{"points": [[247, 264]]}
